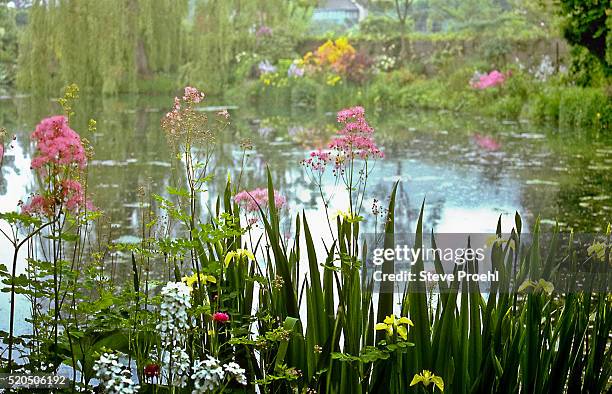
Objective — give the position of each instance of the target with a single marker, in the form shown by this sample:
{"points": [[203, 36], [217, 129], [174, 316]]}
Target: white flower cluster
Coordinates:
{"points": [[173, 327], [208, 375], [176, 299], [384, 63], [234, 370], [114, 376], [544, 70]]}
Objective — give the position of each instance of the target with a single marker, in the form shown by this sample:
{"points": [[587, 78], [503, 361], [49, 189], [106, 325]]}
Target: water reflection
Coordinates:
{"points": [[468, 169]]}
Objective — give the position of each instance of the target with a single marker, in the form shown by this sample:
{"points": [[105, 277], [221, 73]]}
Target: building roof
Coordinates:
{"points": [[338, 5]]}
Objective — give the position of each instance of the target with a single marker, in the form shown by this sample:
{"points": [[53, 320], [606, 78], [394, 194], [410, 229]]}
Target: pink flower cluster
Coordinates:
{"points": [[39, 205], [485, 81], [354, 141], [318, 160], [173, 118], [57, 143], [192, 95], [71, 194], [74, 196], [254, 199]]}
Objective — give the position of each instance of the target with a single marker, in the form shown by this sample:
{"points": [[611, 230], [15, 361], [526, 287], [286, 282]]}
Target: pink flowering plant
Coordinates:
{"points": [[485, 81], [60, 161], [257, 199], [192, 135], [350, 156]]}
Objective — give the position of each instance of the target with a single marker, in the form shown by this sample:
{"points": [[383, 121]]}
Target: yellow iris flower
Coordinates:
{"points": [[192, 280], [391, 324], [238, 254], [426, 377]]}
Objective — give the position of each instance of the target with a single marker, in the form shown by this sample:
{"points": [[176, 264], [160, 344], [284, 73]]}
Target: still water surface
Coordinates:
{"points": [[469, 170]]}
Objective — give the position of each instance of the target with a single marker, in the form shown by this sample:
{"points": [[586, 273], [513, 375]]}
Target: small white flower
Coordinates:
{"points": [[114, 376], [207, 375], [234, 370]]}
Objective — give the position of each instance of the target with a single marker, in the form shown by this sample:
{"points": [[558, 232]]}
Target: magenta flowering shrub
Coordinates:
{"points": [[485, 81], [60, 161]]}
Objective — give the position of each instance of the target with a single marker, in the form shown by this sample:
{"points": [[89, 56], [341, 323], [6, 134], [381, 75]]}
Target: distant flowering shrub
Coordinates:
{"points": [[115, 377], [485, 81], [265, 67], [337, 60], [254, 199], [333, 54], [295, 71]]}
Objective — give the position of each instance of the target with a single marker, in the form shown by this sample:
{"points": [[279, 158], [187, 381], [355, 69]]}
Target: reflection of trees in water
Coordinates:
{"points": [[129, 134]]}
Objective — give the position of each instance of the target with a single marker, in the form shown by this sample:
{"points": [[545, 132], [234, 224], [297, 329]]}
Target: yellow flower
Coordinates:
{"points": [[238, 254], [332, 80], [426, 377], [390, 324], [538, 287], [192, 280]]}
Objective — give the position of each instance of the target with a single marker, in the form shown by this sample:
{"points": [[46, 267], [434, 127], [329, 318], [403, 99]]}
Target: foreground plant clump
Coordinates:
{"points": [[215, 299]]}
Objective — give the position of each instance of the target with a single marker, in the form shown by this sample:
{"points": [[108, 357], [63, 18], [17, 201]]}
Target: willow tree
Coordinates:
{"points": [[222, 29], [105, 46]]}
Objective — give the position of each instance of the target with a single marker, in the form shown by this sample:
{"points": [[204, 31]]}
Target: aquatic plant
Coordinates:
{"points": [[235, 308]]}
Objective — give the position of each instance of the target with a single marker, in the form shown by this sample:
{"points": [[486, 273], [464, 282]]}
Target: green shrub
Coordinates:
{"points": [[583, 108], [304, 91]]}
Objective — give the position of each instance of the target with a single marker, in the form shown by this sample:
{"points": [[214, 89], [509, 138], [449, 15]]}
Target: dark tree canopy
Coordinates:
{"points": [[588, 23]]}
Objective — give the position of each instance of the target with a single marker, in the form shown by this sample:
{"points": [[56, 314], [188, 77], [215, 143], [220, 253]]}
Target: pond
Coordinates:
{"points": [[469, 170]]}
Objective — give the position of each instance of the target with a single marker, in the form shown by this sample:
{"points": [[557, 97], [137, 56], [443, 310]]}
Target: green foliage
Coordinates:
{"points": [[588, 24], [8, 45], [224, 34], [306, 318], [585, 69], [584, 108], [141, 38]]}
